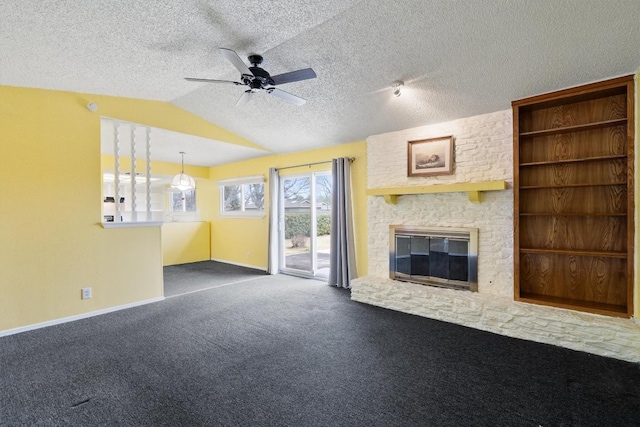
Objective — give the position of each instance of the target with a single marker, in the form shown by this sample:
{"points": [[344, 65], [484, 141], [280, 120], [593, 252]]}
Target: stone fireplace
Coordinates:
{"points": [[483, 152], [438, 256]]}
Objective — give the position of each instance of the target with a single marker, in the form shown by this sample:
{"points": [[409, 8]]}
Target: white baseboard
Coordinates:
{"points": [[77, 317], [239, 264]]}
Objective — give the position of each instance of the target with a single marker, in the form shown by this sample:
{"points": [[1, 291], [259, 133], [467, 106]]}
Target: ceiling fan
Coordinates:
{"points": [[256, 78]]}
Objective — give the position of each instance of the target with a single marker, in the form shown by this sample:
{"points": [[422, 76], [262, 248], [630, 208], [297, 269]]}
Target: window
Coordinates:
{"points": [[183, 201], [242, 196], [182, 206]]}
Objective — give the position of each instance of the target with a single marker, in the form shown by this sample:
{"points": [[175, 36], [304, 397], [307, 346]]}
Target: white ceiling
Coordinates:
{"points": [[458, 58]]}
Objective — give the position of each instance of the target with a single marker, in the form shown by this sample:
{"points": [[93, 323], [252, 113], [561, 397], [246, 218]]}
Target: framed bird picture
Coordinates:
{"points": [[430, 157]]}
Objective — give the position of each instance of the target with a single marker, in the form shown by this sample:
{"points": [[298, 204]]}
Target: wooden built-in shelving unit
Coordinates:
{"points": [[573, 198]]}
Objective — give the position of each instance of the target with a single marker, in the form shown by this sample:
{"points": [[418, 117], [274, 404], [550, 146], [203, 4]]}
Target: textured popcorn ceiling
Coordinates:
{"points": [[458, 58]]}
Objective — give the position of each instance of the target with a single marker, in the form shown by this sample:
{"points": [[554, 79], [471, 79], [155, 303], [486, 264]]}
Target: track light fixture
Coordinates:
{"points": [[396, 87]]}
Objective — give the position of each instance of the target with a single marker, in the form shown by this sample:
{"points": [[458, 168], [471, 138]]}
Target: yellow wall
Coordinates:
{"points": [[184, 242], [50, 186], [50, 190], [157, 168], [245, 240], [161, 115]]}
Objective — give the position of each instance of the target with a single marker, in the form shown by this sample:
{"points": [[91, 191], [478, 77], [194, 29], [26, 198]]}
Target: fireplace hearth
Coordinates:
{"points": [[438, 256]]}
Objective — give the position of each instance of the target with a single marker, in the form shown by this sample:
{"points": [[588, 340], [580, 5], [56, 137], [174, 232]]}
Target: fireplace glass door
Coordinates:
{"points": [[432, 259]]}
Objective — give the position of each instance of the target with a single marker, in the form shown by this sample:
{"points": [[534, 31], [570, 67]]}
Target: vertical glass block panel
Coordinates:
{"points": [[403, 254], [419, 256], [439, 258], [459, 260]]}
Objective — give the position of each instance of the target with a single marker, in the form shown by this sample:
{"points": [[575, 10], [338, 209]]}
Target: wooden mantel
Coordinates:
{"points": [[473, 190]]}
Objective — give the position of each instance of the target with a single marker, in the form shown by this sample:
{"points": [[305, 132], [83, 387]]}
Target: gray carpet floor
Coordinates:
{"points": [[192, 277], [285, 351]]}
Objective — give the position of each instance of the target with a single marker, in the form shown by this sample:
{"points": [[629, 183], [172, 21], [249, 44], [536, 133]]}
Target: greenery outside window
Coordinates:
{"points": [[242, 196]]}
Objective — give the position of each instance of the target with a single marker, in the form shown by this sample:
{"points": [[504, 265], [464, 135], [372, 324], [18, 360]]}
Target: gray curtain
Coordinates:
{"points": [[343, 257], [274, 180]]}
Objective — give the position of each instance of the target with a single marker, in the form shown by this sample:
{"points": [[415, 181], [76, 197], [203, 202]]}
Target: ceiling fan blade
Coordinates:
{"points": [[294, 76], [194, 79], [237, 62], [245, 98], [286, 96]]}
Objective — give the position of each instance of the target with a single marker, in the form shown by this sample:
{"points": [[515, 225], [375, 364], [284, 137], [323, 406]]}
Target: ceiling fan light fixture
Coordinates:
{"points": [[182, 181], [396, 87], [258, 79]]}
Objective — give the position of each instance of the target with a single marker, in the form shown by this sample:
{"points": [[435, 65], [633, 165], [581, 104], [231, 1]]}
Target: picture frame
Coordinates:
{"points": [[430, 157]]}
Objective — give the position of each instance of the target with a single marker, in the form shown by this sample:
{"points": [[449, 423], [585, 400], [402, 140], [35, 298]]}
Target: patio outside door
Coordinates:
{"points": [[305, 214]]}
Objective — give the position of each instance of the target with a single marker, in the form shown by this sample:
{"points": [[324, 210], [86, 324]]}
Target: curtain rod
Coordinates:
{"points": [[351, 159]]}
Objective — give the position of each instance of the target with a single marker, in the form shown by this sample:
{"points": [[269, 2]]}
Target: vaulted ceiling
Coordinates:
{"points": [[458, 58]]}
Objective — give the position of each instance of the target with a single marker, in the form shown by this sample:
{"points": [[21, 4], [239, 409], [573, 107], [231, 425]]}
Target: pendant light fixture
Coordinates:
{"points": [[182, 181]]}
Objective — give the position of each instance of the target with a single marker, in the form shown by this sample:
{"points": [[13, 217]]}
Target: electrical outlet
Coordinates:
{"points": [[248, 255], [86, 293]]}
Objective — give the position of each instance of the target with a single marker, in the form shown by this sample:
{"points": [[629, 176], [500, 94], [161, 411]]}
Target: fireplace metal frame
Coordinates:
{"points": [[467, 234]]}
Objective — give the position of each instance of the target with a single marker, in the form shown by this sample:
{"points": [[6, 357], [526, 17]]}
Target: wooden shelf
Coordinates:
{"points": [[473, 190], [573, 188], [586, 159], [576, 128], [572, 214], [574, 304], [605, 254], [593, 184]]}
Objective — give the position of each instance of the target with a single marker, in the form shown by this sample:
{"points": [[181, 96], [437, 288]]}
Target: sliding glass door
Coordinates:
{"points": [[305, 232]]}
